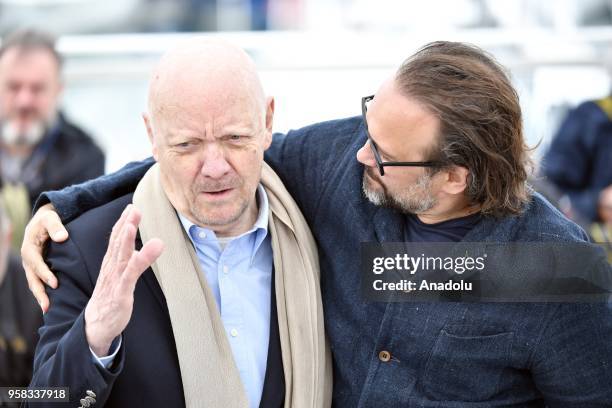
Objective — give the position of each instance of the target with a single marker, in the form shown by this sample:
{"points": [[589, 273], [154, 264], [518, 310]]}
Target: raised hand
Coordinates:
{"points": [[110, 308]]}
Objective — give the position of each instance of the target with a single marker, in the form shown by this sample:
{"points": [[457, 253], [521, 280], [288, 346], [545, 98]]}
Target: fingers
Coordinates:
{"points": [[131, 221], [121, 245], [113, 241], [117, 231], [119, 224], [141, 260], [35, 237], [52, 224], [38, 290], [36, 268], [126, 246]]}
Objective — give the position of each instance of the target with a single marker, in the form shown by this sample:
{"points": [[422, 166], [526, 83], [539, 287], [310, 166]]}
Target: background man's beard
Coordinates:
{"points": [[415, 199], [11, 135]]}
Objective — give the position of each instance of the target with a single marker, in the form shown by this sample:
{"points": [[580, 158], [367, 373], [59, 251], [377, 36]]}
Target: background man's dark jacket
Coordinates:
{"points": [[579, 161], [20, 318], [72, 158], [441, 354]]}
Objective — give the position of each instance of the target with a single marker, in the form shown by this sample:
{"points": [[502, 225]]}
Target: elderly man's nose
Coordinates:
{"points": [[214, 163]]}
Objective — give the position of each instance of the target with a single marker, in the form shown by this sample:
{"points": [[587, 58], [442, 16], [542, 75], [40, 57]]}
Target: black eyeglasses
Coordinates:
{"points": [[379, 162]]}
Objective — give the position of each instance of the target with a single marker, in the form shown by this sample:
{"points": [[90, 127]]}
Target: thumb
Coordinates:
{"points": [[53, 224]]}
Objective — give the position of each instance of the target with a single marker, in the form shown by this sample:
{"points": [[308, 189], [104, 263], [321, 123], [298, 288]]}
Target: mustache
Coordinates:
{"points": [[212, 186], [30, 112], [372, 174], [27, 112]]}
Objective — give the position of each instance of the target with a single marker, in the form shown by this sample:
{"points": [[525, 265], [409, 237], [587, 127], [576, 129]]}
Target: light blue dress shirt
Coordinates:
{"points": [[240, 277], [108, 360]]}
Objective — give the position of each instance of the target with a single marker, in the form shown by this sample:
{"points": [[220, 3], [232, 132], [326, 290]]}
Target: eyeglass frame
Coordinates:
{"points": [[379, 162]]}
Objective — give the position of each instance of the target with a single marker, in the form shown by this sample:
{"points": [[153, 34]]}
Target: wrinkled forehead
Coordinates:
{"points": [[219, 90], [215, 108], [208, 80]]}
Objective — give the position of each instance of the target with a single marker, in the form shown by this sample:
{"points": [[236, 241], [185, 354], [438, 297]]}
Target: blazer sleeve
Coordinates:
{"points": [[73, 201], [62, 356]]}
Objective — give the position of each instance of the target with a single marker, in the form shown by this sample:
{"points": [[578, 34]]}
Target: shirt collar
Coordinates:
{"points": [[260, 227]]}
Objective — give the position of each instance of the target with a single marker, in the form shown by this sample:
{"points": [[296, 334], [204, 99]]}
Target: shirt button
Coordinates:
{"points": [[202, 234], [225, 269], [384, 356], [234, 332]]}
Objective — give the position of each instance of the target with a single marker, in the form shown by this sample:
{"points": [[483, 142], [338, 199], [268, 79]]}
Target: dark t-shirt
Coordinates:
{"points": [[446, 231]]}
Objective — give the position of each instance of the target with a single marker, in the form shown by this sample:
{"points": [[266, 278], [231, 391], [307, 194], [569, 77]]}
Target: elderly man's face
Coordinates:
{"points": [[29, 89], [210, 155]]}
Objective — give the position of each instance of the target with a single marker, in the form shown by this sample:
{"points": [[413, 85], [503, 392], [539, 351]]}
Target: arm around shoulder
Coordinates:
{"points": [[73, 201]]}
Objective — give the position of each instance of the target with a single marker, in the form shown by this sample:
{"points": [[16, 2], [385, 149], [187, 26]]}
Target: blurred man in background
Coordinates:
{"points": [[20, 316], [578, 162], [39, 148]]}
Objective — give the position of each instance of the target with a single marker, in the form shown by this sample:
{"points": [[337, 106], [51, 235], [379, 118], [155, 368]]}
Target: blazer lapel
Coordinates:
{"points": [[151, 281]]}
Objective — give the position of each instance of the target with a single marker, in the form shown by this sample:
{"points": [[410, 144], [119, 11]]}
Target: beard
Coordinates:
{"points": [[416, 198], [11, 135]]}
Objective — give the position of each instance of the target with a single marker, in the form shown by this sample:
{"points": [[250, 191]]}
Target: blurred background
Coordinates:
{"points": [[317, 57]]}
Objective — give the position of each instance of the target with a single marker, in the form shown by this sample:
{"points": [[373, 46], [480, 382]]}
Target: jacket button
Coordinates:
{"points": [[384, 356]]}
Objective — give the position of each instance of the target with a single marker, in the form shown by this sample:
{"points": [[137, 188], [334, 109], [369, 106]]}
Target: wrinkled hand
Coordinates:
{"points": [[110, 308], [45, 223]]}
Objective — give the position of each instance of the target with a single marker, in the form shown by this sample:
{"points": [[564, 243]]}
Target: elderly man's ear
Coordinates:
{"points": [[147, 122], [269, 121]]}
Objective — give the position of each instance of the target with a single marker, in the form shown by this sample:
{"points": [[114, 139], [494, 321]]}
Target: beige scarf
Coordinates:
{"points": [[209, 373]]}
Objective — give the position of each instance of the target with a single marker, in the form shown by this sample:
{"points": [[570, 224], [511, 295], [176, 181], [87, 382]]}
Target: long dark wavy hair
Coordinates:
{"points": [[480, 121]]}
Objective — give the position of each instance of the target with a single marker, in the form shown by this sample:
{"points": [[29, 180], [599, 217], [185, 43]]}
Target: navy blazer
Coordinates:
{"points": [[70, 156], [420, 354], [145, 372]]}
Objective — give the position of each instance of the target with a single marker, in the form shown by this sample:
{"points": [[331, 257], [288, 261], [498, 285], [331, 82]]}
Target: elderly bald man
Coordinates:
{"points": [[221, 306]]}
